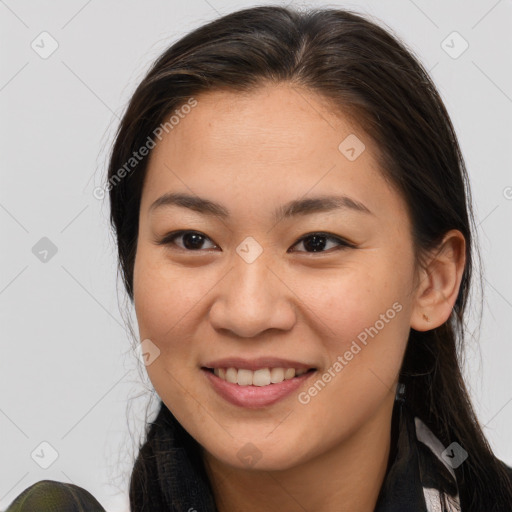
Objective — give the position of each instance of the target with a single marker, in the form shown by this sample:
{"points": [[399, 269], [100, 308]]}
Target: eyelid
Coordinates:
{"points": [[343, 242], [168, 239]]}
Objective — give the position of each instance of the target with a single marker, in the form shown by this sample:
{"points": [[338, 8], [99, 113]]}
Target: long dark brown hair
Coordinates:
{"points": [[370, 75]]}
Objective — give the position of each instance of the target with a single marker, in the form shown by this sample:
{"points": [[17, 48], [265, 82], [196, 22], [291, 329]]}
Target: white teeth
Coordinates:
{"points": [[276, 375], [244, 377], [231, 375], [289, 373], [261, 377], [220, 372]]}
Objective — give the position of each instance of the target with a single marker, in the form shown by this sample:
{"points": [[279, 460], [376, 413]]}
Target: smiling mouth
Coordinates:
{"points": [[261, 377]]}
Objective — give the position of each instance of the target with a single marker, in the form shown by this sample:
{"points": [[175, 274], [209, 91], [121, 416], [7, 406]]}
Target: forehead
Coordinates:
{"points": [[276, 142], [272, 122]]}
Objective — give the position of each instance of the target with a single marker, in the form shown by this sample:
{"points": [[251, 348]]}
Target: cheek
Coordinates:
{"points": [[165, 294], [347, 302], [363, 315], [165, 298], [363, 318]]}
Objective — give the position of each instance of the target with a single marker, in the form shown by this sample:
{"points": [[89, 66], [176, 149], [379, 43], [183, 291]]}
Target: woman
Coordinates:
{"points": [[294, 228]]}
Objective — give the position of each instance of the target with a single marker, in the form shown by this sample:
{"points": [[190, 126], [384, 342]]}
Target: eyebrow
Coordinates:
{"points": [[311, 205]]}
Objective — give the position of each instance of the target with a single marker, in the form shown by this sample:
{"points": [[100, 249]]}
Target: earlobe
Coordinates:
{"points": [[439, 283]]}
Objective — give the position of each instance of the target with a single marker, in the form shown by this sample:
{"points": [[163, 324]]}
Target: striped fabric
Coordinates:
{"points": [[438, 498], [419, 476]]}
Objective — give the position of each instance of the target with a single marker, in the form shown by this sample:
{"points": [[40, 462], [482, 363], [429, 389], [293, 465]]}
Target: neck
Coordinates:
{"points": [[348, 476]]}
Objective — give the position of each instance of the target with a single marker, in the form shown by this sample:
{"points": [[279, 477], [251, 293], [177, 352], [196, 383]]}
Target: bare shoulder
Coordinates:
{"points": [[53, 496]]}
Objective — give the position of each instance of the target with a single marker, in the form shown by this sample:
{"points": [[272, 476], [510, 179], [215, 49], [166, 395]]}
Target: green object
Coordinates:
{"points": [[53, 496]]}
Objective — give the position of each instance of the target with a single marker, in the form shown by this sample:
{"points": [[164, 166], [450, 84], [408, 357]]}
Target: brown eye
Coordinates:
{"points": [[317, 242], [313, 242], [191, 240]]}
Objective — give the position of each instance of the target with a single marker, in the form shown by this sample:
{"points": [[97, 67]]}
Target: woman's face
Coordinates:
{"points": [[250, 286]]}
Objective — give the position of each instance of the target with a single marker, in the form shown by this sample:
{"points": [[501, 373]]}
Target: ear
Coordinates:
{"points": [[439, 282]]}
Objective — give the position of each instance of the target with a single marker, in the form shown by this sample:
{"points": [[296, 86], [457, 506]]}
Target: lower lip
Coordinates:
{"points": [[255, 396]]}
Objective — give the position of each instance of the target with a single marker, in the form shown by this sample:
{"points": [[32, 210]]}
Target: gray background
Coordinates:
{"points": [[68, 375]]}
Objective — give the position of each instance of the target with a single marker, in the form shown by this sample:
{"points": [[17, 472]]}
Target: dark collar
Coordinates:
{"points": [[419, 477]]}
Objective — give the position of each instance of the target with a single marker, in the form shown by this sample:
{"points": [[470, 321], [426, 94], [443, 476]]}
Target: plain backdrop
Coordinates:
{"points": [[72, 393]]}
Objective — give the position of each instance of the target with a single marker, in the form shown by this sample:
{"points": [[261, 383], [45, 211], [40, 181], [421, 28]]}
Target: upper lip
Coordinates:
{"points": [[256, 364]]}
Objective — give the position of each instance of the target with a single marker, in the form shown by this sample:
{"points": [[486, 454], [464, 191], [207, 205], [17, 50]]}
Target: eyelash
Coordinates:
{"points": [[343, 244]]}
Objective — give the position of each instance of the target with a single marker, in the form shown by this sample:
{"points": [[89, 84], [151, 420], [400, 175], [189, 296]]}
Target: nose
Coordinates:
{"points": [[253, 298]]}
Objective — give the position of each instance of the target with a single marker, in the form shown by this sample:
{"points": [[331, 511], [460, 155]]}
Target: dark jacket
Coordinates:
{"points": [[419, 478]]}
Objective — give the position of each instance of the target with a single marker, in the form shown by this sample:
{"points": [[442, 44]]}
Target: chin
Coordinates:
{"points": [[260, 454]]}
